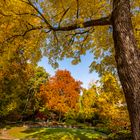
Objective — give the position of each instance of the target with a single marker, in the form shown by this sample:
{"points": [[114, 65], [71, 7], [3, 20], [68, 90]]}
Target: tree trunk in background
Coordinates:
{"points": [[60, 116], [127, 57]]}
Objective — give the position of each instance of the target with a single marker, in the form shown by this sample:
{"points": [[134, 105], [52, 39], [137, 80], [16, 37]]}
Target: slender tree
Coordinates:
{"points": [[61, 93]]}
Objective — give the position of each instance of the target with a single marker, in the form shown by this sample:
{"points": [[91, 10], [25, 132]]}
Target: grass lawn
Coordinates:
{"points": [[54, 133]]}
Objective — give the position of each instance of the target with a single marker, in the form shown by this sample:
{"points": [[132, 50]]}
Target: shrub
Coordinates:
{"points": [[71, 122], [104, 130], [95, 122], [121, 135]]}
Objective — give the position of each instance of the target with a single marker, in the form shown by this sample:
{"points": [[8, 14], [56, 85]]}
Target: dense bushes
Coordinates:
{"points": [[121, 135], [102, 107], [104, 130]]}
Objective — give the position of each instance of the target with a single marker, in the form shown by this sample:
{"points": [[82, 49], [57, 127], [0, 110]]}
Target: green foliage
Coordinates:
{"points": [[71, 122], [121, 135], [19, 52], [55, 133], [19, 86], [14, 78], [72, 114], [39, 77], [104, 130]]}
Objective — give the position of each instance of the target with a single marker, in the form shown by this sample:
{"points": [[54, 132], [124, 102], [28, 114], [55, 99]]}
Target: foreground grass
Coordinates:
{"points": [[54, 133]]}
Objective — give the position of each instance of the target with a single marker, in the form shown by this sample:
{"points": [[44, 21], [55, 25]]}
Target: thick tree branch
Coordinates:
{"points": [[98, 22], [39, 12]]}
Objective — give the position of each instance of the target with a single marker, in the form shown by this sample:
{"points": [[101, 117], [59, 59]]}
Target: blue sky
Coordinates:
{"points": [[79, 71]]}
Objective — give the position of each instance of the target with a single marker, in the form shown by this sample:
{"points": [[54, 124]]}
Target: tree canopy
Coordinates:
{"points": [[59, 29], [66, 29], [61, 93]]}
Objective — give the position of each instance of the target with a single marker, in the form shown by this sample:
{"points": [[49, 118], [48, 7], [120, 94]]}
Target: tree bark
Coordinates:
{"points": [[127, 57], [60, 114]]}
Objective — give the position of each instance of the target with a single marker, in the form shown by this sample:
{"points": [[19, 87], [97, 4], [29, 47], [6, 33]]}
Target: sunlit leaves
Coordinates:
{"points": [[20, 31], [61, 92], [37, 17], [87, 102]]}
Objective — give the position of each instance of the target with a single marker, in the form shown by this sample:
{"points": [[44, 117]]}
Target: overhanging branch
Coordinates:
{"points": [[22, 34], [98, 22]]}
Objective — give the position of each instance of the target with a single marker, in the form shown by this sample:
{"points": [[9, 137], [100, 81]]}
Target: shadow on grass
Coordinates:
{"points": [[6, 127], [63, 134]]}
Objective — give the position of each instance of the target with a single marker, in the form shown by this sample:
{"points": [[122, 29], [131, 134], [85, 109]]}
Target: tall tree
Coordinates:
{"points": [[127, 57], [32, 102], [61, 93], [114, 106], [14, 79], [19, 51], [87, 102], [75, 21]]}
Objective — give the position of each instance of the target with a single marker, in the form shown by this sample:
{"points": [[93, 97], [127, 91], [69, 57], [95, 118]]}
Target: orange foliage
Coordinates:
{"points": [[61, 93]]}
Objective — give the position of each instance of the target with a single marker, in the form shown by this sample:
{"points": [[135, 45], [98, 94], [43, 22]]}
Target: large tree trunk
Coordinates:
{"points": [[127, 57]]}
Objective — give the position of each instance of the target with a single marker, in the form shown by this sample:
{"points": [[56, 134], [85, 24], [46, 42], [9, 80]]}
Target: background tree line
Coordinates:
{"points": [[37, 96]]}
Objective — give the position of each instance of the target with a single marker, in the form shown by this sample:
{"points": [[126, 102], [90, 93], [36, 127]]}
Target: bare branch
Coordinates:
{"points": [[48, 31], [55, 37], [22, 35], [26, 13], [71, 41], [77, 14], [58, 14], [78, 33], [86, 37]]}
